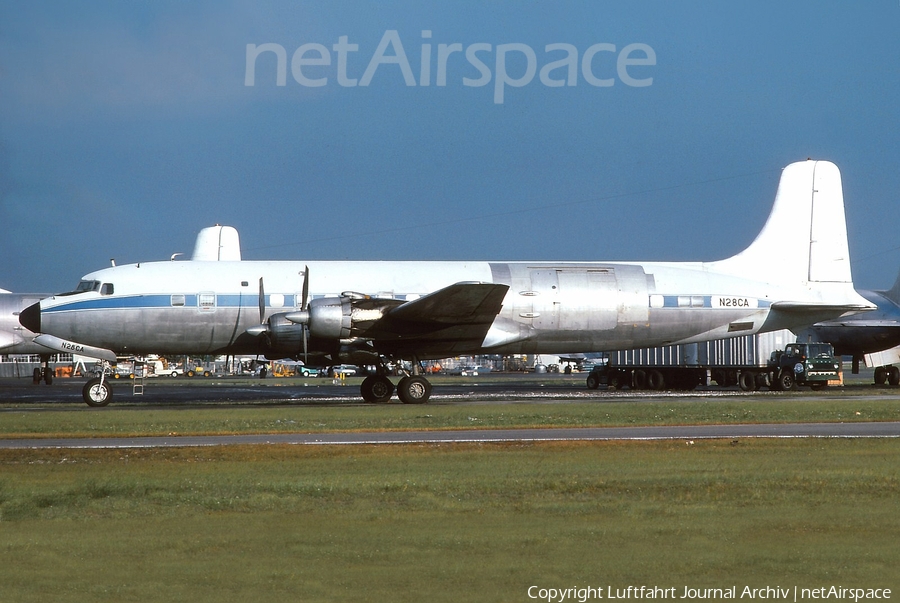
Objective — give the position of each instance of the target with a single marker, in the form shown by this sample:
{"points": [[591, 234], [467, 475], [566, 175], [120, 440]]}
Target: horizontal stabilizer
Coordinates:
{"points": [[791, 315], [459, 304]]}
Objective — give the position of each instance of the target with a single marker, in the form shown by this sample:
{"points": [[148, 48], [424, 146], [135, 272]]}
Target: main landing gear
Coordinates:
{"points": [[412, 389], [43, 373]]}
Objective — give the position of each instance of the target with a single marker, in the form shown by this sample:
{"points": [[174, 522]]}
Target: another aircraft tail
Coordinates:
{"points": [[804, 239]]}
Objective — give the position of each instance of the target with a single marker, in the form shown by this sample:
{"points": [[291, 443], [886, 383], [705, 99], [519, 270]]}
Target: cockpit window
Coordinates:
{"points": [[83, 287], [107, 289]]}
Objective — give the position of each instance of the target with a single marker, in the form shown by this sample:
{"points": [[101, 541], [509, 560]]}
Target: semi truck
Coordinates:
{"points": [[750, 361], [811, 364]]}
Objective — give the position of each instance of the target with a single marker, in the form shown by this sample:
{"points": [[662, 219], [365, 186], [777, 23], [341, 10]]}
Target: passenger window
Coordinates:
{"points": [[177, 299]]}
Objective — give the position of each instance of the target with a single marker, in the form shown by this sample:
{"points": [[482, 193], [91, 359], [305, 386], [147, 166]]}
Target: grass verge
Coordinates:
{"points": [[444, 523], [112, 421]]}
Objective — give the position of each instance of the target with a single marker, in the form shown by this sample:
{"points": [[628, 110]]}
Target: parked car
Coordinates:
{"points": [[308, 371], [474, 371], [343, 369]]}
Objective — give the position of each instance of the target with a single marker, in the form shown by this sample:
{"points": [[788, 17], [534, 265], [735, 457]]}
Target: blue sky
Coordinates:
{"points": [[125, 127]]}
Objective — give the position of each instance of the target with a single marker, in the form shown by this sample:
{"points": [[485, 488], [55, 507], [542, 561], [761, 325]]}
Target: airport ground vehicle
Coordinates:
{"points": [[743, 361], [348, 370], [811, 364], [474, 371], [200, 370]]}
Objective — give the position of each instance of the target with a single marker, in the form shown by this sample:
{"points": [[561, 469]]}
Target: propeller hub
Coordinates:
{"points": [[300, 317]]}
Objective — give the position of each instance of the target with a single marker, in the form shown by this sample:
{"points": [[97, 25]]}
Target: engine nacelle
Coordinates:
{"points": [[284, 335], [330, 317], [337, 328], [349, 315]]}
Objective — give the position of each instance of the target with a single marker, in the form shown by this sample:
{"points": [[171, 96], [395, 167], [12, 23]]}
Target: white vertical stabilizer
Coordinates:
{"points": [[805, 237]]}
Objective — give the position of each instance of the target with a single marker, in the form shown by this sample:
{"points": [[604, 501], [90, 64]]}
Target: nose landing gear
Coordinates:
{"points": [[97, 391]]}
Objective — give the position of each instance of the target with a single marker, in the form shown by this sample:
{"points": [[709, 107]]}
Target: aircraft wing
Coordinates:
{"points": [[451, 320], [849, 322], [6, 340], [462, 303]]}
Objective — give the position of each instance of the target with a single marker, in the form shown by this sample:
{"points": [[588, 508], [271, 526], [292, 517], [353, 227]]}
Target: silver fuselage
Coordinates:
{"points": [[194, 307]]}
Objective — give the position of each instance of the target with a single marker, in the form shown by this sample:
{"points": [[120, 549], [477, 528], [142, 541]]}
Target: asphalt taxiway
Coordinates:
{"points": [[17, 395], [687, 432], [224, 391]]}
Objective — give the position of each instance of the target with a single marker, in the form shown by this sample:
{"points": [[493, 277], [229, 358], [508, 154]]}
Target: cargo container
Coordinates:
{"points": [[739, 361]]}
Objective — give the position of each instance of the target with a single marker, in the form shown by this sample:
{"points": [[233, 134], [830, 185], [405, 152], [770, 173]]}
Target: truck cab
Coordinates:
{"points": [[811, 364]]}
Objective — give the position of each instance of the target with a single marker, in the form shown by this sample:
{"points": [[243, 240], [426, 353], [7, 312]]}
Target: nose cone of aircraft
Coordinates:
{"points": [[30, 318]]}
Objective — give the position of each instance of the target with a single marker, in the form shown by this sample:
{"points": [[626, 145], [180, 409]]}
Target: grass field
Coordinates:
{"points": [[445, 523]]}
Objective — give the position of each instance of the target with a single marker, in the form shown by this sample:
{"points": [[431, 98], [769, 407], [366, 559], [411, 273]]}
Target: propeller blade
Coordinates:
{"points": [[305, 344], [303, 303], [262, 301], [305, 299]]}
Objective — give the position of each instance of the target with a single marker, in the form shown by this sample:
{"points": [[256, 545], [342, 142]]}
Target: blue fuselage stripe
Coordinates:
{"points": [[225, 300]]}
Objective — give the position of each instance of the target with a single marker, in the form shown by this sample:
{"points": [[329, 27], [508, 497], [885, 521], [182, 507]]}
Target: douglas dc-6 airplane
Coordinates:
{"points": [[795, 273]]}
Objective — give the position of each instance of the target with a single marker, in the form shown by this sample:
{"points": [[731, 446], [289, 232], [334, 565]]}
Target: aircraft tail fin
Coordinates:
{"points": [[893, 293], [804, 239]]}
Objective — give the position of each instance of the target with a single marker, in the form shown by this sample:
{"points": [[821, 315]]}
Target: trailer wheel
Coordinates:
{"points": [[655, 380], [639, 379], [593, 381], [747, 381], [880, 375]]}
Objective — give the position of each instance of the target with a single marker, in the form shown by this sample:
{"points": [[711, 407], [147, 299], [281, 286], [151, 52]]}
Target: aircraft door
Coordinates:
{"points": [[589, 299]]}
